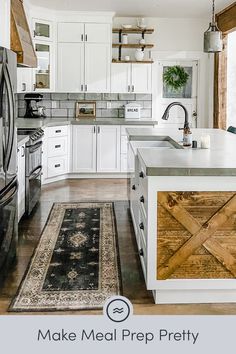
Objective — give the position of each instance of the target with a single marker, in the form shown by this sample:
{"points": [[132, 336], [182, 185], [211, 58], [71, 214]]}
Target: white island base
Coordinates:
{"points": [[176, 269]]}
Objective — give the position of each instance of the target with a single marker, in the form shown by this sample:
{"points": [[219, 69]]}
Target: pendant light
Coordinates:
{"points": [[213, 36]]}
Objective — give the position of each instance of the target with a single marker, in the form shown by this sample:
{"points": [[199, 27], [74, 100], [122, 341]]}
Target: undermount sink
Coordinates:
{"points": [[152, 144]]}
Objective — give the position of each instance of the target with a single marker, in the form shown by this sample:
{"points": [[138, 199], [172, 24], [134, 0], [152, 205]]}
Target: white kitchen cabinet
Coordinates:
{"points": [[131, 78], [42, 30], [56, 152], [120, 78], [141, 78], [97, 32], [70, 67], [97, 67], [21, 180], [108, 148], [75, 32], [24, 80], [84, 57], [5, 23], [70, 32], [84, 149]]}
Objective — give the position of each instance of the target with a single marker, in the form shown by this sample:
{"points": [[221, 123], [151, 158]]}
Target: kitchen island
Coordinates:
{"points": [[183, 206]]}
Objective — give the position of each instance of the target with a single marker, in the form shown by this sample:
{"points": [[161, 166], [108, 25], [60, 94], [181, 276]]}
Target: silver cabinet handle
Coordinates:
{"points": [[57, 146], [57, 165], [86, 38], [132, 88], [98, 130], [94, 129], [34, 87], [82, 37], [23, 86], [82, 87], [22, 151], [86, 87], [58, 131], [128, 88]]}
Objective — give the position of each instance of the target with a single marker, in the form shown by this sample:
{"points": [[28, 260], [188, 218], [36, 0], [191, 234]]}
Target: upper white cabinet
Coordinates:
{"points": [[97, 67], [42, 30], [108, 148], [70, 32], [128, 78], [24, 80], [5, 23], [70, 63], [84, 56], [97, 33]]}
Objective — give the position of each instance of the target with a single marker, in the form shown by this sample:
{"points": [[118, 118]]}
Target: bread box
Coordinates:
{"points": [[132, 111]]}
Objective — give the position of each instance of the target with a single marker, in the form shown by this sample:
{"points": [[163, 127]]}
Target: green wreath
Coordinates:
{"points": [[175, 77]]}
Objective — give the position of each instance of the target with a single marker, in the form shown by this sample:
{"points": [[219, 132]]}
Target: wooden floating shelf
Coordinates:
{"points": [[135, 30], [132, 61], [117, 45]]}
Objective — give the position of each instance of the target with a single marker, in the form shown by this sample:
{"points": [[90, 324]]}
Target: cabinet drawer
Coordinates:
{"points": [[57, 131], [57, 146], [57, 166]]}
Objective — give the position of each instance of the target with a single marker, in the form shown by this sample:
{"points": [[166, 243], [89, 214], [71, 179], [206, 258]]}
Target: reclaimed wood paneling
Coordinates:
{"points": [[226, 20], [196, 235]]}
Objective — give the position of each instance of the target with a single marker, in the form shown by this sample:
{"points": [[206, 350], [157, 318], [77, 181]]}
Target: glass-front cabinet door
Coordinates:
{"points": [[42, 30], [42, 74]]}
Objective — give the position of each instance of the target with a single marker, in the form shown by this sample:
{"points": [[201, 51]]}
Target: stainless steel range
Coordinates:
{"points": [[33, 166]]}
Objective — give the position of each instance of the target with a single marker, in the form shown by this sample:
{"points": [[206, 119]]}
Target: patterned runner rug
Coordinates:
{"points": [[75, 265]]}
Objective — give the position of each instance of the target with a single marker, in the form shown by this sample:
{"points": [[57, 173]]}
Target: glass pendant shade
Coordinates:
{"points": [[213, 42]]}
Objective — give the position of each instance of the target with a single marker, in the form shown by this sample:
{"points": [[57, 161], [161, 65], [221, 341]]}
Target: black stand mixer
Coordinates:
{"points": [[34, 111]]}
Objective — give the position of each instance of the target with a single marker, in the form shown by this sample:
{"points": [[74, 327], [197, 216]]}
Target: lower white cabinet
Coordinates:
{"points": [[21, 181], [96, 149], [84, 149], [108, 148]]}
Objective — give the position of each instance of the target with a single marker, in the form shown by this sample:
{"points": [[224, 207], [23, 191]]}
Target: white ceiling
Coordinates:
{"points": [[151, 8]]}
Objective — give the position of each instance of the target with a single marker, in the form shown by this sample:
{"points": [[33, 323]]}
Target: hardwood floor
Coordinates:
{"points": [[132, 278]]}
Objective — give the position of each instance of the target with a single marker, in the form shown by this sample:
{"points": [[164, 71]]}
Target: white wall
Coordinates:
{"points": [[5, 23], [182, 38]]}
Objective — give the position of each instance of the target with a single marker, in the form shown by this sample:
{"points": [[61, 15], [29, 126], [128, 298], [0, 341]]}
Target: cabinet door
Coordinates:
{"points": [[21, 181], [70, 32], [84, 149], [97, 33], [97, 67], [141, 78], [24, 80], [120, 78], [70, 69], [42, 30], [108, 148], [42, 75]]}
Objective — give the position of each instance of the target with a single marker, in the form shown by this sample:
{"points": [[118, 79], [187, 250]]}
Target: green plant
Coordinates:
{"points": [[175, 77]]}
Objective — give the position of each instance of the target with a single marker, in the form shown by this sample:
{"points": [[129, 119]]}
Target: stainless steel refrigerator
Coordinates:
{"points": [[8, 161]]}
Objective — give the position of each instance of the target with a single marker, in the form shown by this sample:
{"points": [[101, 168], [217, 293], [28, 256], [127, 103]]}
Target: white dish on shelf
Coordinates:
{"points": [[142, 26], [127, 26]]}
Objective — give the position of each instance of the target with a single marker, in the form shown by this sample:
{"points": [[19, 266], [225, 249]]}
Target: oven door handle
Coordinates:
{"points": [[35, 147], [4, 197], [34, 174]]}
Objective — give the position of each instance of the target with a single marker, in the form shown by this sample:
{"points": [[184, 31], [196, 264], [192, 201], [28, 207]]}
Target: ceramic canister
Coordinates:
{"points": [[139, 54]]}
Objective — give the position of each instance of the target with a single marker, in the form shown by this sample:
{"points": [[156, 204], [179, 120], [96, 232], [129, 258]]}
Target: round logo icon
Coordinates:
{"points": [[118, 308]]}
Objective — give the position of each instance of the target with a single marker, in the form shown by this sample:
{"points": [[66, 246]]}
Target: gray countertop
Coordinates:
{"points": [[219, 160], [50, 122], [22, 139]]}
